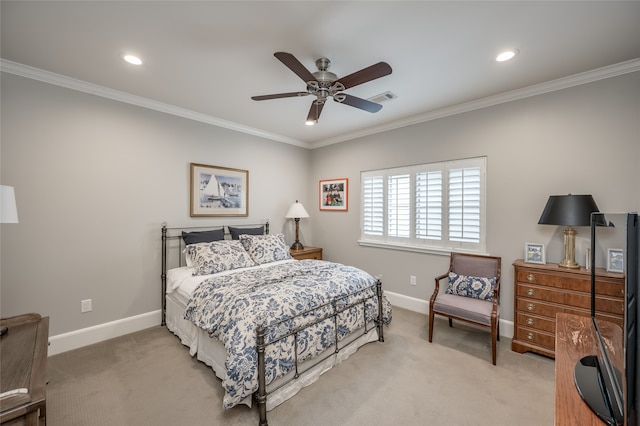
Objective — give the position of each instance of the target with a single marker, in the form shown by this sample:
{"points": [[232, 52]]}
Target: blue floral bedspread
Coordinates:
{"points": [[283, 298]]}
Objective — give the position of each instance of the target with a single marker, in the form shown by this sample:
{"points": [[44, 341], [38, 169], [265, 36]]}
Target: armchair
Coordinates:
{"points": [[472, 294]]}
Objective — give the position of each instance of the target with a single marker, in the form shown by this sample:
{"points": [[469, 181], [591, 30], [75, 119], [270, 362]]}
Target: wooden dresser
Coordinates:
{"points": [[307, 253], [542, 291], [23, 362]]}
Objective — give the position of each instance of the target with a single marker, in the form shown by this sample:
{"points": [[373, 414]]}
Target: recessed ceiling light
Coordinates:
{"points": [[506, 55], [132, 59]]}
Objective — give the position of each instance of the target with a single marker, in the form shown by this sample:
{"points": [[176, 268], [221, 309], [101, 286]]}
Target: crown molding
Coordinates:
{"points": [[513, 95], [117, 95]]}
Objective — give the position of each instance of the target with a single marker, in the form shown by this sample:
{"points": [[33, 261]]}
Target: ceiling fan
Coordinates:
{"points": [[324, 84]]}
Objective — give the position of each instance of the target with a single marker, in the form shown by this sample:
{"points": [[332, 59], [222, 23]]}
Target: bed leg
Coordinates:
{"points": [[261, 397], [380, 321]]}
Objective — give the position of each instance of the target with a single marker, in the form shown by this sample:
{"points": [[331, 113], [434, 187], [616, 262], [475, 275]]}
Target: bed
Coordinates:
{"points": [[268, 325]]}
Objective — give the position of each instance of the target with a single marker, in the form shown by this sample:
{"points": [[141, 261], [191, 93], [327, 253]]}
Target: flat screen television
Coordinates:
{"points": [[607, 380]]}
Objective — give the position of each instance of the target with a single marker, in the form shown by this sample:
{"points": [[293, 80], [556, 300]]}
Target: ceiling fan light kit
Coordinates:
{"points": [[323, 84]]}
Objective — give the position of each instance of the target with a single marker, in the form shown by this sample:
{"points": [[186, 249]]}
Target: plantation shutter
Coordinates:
{"points": [[429, 205], [464, 204], [373, 205], [399, 206]]}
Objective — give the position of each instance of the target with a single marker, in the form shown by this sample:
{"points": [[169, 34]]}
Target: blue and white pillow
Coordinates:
{"points": [[265, 248], [217, 256], [474, 287]]}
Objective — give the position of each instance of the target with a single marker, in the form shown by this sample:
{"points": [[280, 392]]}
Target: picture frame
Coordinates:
{"points": [[534, 253], [615, 260], [334, 194], [218, 191]]}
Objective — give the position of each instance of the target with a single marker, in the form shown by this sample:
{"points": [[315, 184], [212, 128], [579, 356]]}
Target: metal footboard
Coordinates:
{"points": [[339, 305]]}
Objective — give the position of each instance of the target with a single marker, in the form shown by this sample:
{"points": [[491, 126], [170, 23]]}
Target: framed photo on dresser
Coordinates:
{"points": [[534, 253]]}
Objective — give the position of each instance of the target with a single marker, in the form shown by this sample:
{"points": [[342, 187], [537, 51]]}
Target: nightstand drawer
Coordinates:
{"points": [[307, 253]]}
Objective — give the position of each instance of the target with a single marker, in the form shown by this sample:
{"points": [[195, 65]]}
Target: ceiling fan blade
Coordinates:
{"points": [[357, 102], [315, 110], [294, 65], [279, 95], [364, 75]]}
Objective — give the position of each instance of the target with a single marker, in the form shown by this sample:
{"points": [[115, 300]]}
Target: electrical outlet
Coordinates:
{"points": [[412, 279], [85, 306]]}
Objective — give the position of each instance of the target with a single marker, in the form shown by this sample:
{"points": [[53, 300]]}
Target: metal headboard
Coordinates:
{"points": [[175, 235]]}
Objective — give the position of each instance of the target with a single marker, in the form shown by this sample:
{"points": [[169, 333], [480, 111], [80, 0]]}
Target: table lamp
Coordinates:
{"points": [[569, 210], [296, 212]]}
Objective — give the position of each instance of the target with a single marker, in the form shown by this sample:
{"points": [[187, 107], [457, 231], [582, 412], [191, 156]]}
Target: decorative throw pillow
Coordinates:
{"points": [[474, 287], [265, 248], [203, 236], [236, 232], [218, 256]]}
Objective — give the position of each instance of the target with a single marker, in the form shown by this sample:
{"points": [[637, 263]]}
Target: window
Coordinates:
{"points": [[436, 206]]}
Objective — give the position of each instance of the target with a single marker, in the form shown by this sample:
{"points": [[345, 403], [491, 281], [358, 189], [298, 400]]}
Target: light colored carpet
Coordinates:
{"points": [[148, 378]]}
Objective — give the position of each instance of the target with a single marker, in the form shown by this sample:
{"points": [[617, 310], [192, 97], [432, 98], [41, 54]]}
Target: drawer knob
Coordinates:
{"points": [[531, 292], [531, 307], [530, 321], [530, 336], [531, 277]]}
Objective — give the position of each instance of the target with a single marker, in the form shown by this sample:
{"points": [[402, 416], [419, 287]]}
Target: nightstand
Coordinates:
{"points": [[307, 253]]}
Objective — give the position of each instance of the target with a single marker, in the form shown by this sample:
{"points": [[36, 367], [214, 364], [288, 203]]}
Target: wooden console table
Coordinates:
{"points": [[575, 338], [23, 366]]}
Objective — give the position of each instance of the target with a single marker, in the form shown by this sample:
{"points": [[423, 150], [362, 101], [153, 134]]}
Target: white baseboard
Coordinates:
{"points": [[90, 335], [422, 307]]}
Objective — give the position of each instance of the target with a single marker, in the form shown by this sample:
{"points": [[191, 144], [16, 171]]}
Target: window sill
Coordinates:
{"points": [[412, 248]]}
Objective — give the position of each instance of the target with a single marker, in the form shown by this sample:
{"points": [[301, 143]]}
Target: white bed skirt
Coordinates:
{"points": [[212, 352]]}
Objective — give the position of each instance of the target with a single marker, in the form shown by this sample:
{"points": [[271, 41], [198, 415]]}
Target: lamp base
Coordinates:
{"points": [[569, 249], [297, 246], [568, 263]]}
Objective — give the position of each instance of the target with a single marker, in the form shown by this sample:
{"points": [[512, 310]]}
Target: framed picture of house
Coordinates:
{"points": [[334, 194], [218, 191], [615, 260], [534, 253]]}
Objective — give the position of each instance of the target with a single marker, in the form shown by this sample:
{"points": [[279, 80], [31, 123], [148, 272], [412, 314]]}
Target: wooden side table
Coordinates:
{"points": [[307, 253], [23, 367]]}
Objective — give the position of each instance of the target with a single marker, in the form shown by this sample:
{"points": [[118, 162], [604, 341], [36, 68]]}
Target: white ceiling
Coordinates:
{"points": [[207, 58]]}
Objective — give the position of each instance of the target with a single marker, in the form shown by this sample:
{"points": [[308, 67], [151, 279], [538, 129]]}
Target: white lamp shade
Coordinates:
{"points": [[296, 211], [8, 210]]}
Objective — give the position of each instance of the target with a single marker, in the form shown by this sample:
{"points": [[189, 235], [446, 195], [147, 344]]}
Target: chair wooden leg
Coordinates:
{"points": [[493, 343], [431, 324], [450, 322]]}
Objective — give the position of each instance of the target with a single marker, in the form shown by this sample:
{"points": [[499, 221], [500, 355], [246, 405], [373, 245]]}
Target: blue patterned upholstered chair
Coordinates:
{"points": [[472, 294]]}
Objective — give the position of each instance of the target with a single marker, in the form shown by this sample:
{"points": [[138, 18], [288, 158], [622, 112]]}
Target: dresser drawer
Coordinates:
{"points": [[524, 319], [571, 298], [536, 337], [549, 310], [604, 285]]}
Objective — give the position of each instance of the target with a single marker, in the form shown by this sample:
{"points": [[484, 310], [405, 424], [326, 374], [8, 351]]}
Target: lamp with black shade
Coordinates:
{"points": [[297, 212], [569, 210], [8, 214]]}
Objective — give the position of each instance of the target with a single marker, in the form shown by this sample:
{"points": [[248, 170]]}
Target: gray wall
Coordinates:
{"points": [[94, 180], [581, 140]]}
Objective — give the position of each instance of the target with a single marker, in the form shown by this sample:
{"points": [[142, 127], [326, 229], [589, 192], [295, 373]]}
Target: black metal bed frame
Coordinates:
{"points": [[336, 307]]}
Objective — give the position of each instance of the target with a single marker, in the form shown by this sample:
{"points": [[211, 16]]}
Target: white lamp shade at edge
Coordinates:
{"points": [[8, 209]]}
